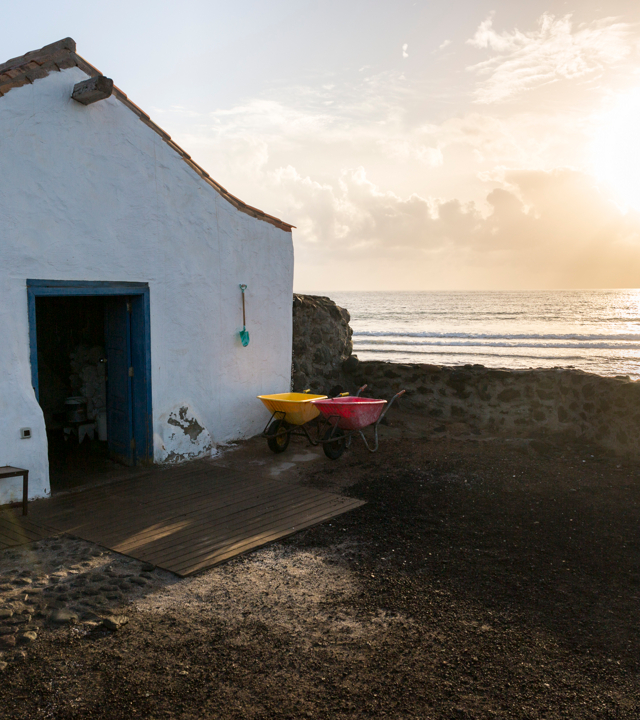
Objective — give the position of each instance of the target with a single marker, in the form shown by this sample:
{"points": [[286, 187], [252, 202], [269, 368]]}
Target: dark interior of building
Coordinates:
{"points": [[72, 387]]}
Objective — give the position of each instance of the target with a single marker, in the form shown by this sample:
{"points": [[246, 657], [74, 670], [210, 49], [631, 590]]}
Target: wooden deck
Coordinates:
{"points": [[15, 529], [189, 518]]}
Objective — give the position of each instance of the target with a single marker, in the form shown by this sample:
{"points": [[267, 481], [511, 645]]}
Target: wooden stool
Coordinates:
{"points": [[7, 472]]}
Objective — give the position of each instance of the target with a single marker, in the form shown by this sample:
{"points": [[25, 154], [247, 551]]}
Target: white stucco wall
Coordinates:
{"points": [[91, 193]]}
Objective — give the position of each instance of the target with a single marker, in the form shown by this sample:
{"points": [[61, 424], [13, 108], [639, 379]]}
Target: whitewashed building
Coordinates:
{"points": [[121, 262]]}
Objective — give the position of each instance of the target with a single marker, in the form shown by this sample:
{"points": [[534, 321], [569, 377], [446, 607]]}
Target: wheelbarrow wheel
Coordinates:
{"points": [[334, 443], [278, 436]]}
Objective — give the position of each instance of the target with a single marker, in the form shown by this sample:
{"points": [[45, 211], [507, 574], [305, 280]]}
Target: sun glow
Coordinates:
{"points": [[616, 150]]}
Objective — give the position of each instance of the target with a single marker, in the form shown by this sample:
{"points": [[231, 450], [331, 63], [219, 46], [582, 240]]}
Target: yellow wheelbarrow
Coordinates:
{"points": [[290, 414]]}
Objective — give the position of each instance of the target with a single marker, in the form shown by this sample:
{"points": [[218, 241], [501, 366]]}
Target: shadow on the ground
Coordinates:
{"points": [[549, 544]]}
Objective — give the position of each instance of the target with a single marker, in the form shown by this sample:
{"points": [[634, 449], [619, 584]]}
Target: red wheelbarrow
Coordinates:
{"points": [[348, 416]]}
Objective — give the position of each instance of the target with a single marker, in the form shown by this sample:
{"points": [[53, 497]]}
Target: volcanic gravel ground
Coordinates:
{"points": [[485, 578]]}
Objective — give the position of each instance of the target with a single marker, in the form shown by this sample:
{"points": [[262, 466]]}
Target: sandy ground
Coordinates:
{"points": [[485, 578]]}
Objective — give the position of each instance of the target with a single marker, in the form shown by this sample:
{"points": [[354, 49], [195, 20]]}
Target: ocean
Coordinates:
{"points": [[593, 330]]}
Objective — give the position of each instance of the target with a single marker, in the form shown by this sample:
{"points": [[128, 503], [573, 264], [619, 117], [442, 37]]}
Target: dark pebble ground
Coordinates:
{"points": [[506, 578]]}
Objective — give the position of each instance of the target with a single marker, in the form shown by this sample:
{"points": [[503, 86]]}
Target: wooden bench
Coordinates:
{"points": [[7, 472]]}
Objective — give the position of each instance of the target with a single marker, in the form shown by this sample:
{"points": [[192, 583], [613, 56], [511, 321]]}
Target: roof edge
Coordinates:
{"points": [[37, 64]]}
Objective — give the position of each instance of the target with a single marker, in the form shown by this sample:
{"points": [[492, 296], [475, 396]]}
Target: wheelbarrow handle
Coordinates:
{"points": [[390, 403]]}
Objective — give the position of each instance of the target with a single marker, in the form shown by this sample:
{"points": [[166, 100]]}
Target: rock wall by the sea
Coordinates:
{"points": [[602, 410], [321, 343]]}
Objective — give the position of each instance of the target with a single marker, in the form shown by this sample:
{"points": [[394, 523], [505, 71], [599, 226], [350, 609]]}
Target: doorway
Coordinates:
{"points": [[91, 372]]}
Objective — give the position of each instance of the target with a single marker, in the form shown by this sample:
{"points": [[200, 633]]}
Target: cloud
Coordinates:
{"points": [[271, 116], [442, 46], [407, 147], [543, 229], [525, 139], [532, 227], [278, 132], [405, 47], [554, 51], [375, 120], [408, 220], [365, 118]]}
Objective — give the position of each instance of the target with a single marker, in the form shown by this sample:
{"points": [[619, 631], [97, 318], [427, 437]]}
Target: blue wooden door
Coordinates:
{"points": [[119, 368]]}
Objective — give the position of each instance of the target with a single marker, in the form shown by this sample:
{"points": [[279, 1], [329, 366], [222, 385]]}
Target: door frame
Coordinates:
{"points": [[142, 400]]}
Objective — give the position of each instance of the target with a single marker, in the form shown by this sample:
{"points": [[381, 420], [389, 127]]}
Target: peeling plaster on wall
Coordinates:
{"points": [[190, 426], [92, 193], [183, 437]]}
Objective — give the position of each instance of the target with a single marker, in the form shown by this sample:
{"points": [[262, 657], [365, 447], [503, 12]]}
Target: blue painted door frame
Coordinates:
{"points": [[138, 296]]}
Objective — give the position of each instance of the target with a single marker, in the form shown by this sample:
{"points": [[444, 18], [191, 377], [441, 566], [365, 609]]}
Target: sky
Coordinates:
{"points": [[415, 145]]}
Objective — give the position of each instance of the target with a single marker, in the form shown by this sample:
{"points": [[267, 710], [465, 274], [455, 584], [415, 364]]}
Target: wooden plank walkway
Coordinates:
{"points": [[15, 529], [191, 517]]}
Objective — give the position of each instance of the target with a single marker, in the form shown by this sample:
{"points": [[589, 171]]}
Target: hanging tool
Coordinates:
{"points": [[244, 335]]}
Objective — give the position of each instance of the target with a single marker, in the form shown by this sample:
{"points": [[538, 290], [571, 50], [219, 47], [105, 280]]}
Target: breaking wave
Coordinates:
{"points": [[595, 330]]}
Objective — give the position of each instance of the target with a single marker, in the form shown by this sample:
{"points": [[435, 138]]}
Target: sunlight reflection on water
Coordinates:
{"points": [[594, 330]]}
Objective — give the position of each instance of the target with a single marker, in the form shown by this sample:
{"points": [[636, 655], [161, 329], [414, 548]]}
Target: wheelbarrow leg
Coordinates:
{"points": [[375, 426]]}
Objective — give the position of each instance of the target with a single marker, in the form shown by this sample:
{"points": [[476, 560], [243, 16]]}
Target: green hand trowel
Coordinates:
{"points": [[244, 334]]}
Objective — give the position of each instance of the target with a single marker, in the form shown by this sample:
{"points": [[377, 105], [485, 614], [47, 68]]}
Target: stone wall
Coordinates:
{"points": [[529, 403], [321, 343]]}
